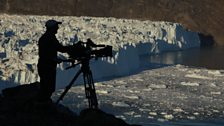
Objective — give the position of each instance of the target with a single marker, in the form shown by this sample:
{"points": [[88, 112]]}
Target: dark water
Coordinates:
{"points": [[210, 57]]}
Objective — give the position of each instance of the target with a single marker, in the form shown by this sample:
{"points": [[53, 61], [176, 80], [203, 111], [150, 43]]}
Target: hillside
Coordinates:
{"points": [[204, 16]]}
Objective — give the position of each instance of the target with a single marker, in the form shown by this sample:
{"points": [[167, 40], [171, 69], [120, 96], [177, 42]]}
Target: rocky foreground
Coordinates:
{"points": [[19, 107]]}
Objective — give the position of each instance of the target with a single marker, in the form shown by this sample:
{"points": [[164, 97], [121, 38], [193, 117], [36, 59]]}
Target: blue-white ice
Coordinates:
{"points": [[129, 38]]}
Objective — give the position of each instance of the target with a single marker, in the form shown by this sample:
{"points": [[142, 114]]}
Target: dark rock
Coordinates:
{"points": [[19, 107], [206, 40], [20, 96], [96, 117], [92, 116], [22, 91]]}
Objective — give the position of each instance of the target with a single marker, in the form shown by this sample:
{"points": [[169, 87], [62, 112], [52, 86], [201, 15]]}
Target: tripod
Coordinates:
{"points": [[88, 83]]}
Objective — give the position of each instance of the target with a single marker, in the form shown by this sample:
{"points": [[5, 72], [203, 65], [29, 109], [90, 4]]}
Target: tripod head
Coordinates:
{"points": [[84, 61]]}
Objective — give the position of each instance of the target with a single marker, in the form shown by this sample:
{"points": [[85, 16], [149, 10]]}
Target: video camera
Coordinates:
{"points": [[89, 49], [83, 52]]}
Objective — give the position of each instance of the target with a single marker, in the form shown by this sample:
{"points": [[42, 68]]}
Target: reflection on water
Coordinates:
{"points": [[211, 58]]}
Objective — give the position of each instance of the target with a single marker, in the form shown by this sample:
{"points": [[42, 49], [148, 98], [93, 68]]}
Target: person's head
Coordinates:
{"points": [[52, 26]]}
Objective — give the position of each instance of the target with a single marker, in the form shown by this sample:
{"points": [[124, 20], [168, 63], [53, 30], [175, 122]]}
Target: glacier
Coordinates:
{"points": [[130, 39]]}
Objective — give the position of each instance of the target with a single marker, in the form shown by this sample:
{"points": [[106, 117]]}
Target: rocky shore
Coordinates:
{"points": [[19, 107]]}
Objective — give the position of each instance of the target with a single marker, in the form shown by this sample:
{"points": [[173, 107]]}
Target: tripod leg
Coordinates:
{"points": [[90, 90], [87, 88], [69, 86]]}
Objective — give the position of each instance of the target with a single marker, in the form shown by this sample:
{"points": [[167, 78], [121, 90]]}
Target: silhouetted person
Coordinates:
{"points": [[47, 63]]}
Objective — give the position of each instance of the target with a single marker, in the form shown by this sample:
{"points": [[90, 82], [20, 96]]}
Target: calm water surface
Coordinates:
{"points": [[211, 58]]}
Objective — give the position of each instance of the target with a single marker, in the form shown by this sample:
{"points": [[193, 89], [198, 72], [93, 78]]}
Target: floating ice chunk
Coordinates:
{"points": [[158, 86], [150, 117], [120, 116], [198, 76], [213, 85], [215, 72], [131, 91], [216, 93], [153, 113], [144, 110], [102, 92], [215, 111], [121, 82], [120, 104], [132, 97], [191, 117], [147, 89], [168, 117], [137, 79], [196, 113], [97, 84], [163, 113], [137, 116], [189, 84], [131, 113], [161, 120], [178, 110]]}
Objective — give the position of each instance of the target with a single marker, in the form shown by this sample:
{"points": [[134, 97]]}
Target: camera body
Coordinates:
{"points": [[88, 50]]}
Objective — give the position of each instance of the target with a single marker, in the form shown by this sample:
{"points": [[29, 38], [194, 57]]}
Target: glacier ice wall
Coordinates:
{"points": [[130, 39]]}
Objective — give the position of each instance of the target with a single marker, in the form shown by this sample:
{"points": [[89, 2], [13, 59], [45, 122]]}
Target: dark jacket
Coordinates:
{"points": [[48, 47]]}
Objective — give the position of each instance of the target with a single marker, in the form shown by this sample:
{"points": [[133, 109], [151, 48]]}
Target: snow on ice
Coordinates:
{"points": [[129, 38]]}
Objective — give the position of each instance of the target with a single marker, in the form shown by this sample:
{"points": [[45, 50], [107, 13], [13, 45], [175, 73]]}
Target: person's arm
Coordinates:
{"points": [[92, 44], [62, 48]]}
